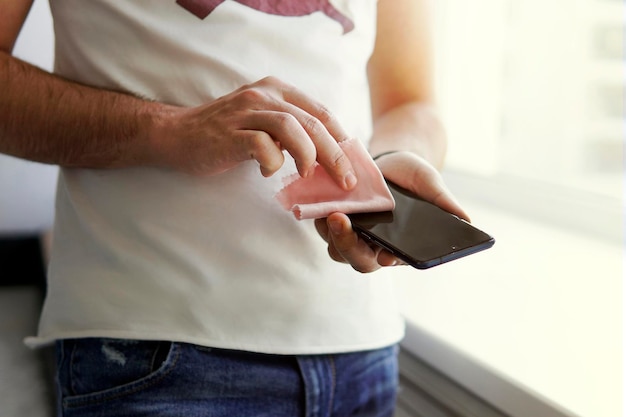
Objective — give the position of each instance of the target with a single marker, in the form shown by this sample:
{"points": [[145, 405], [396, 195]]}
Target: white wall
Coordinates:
{"points": [[27, 188]]}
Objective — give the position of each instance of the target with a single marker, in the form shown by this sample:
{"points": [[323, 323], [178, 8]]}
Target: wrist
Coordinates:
{"points": [[414, 127], [158, 123]]}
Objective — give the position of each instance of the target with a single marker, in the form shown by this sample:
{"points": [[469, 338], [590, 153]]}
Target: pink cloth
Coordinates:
{"points": [[318, 195]]}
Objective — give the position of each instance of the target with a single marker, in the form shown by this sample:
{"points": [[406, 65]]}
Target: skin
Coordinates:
{"points": [[46, 118], [401, 77]]}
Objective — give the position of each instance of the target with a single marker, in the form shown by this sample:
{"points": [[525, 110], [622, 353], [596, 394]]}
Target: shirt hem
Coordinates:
{"points": [[36, 342]]}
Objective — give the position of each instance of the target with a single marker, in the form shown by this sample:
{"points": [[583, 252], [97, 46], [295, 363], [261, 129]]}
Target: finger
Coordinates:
{"points": [[298, 98], [328, 152], [318, 123], [424, 180], [305, 138], [258, 145], [319, 112], [325, 132], [335, 255], [321, 226], [386, 258], [286, 131], [330, 155], [433, 189], [348, 245], [446, 200]]}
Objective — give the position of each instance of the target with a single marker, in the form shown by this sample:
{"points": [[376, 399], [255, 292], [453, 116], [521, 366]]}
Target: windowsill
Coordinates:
{"points": [[533, 325]]}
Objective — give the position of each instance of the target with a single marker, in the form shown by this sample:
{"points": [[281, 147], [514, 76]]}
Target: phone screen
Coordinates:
{"points": [[420, 233]]}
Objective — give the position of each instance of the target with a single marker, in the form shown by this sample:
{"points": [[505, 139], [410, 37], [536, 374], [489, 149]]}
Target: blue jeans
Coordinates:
{"points": [[112, 377]]}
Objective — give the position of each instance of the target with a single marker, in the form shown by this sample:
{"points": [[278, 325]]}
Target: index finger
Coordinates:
{"points": [[326, 132], [329, 154]]}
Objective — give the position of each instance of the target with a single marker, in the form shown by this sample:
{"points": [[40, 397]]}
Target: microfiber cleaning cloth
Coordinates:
{"points": [[317, 195]]}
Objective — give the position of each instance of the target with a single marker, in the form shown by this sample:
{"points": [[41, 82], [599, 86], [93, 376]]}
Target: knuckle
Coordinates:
{"points": [[339, 160], [258, 145], [276, 83], [263, 149], [324, 114], [284, 119], [252, 95], [313, 126], [270, 79]]}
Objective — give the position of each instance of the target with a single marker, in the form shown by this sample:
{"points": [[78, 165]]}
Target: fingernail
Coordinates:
{"points": [[335, 226], [350, 180]]}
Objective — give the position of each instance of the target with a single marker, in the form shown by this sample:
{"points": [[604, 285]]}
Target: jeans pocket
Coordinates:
{"points": [[97, 368]]}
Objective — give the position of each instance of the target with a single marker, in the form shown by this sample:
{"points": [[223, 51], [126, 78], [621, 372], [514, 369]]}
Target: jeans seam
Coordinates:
{"points": [[70, 368], [60, 365], [333, 384], [99, 398]]}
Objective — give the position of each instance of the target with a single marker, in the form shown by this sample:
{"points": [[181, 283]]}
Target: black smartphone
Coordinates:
{"points": [[420, 233]]}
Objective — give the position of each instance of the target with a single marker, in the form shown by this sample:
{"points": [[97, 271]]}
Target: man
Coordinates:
{"points": [[177, 284]]}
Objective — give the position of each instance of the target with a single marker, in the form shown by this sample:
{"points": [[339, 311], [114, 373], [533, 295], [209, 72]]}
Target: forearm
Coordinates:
{"points": [[48, 119], [401, 79], [414, 127]]}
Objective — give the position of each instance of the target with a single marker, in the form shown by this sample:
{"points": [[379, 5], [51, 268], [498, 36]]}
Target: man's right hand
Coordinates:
{"points": [[79, 126], [257, 121]]}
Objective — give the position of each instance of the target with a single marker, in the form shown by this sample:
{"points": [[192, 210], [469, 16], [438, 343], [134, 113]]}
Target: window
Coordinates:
{"points": [[532, 96]]}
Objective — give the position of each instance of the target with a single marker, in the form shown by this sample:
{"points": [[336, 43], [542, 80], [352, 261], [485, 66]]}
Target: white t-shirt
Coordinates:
{"points": [[147, 253]]}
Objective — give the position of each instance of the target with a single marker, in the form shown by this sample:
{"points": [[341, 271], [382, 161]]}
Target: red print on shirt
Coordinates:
{"points": [[202, 8]]}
